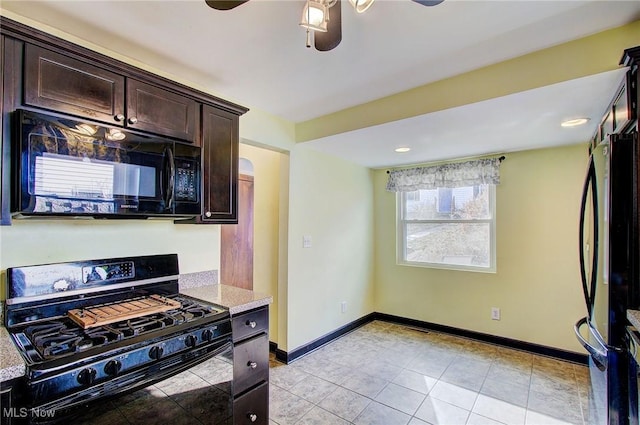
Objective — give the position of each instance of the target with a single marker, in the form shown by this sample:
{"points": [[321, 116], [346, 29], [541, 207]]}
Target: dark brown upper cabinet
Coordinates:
{"points": [[63, 84], [71, 86], [220, 166], [153, 109], [41, 71]]}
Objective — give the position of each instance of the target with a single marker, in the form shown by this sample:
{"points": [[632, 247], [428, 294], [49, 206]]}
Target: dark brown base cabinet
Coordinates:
{"points": [[45, 73], [251, 367]]}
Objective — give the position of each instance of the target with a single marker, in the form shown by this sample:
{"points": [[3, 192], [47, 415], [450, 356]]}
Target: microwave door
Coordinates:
{"points": [[64, 172]]}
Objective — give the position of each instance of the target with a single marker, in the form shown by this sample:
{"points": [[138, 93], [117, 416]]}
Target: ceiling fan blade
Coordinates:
{"points": [[224, 4], [325, 41], [429, 2]]}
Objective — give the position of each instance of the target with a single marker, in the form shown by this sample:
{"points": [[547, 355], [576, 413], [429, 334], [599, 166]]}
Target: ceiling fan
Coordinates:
{"points": [[327, 33]]}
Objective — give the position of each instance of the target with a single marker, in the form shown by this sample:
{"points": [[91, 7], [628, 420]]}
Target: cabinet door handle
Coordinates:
{"points": [[252, 417], [207, 214], [133, 120], [252, 365], [251, 324], [119, 117]]}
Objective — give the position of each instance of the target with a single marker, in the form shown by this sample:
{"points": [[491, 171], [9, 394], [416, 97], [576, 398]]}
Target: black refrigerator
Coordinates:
{"points": [[609, 270]]}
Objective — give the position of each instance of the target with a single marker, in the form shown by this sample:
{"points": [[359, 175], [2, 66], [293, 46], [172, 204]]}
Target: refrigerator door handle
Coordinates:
{"points": [[589, 287], [598, 354]]}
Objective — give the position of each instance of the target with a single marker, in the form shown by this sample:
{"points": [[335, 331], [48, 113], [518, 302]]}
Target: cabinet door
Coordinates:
{"points": [[8, 407], [623, 108], [3, 192], [156, 110], [11, 58], [220, 166], [63, 84]]}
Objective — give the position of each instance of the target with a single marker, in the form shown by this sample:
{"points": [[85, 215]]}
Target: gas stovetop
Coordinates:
{"points": [[51, 339], [97, 328]]}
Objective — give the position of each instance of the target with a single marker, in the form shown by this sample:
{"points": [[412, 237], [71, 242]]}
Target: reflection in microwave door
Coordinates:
{"points": [[61, 285]]}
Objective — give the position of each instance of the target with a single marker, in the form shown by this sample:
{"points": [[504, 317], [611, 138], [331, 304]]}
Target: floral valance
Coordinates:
{"points": [[458, 174]]}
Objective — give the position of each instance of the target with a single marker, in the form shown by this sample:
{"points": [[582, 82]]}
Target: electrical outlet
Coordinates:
{"points": [[495, 313], [343, 306], [306, 241]]}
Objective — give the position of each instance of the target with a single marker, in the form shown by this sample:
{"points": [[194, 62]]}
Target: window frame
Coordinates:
{"points": [[401, 227]]}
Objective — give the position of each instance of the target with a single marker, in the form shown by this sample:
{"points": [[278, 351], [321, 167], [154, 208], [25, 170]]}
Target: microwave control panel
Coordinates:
{"points": [[186, 184]]}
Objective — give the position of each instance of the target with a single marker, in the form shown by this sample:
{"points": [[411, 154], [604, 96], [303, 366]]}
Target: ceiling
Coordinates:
{"points": [[255, 55]]}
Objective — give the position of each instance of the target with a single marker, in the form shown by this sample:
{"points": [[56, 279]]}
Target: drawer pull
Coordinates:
{"points": [[252, 417], [251, 323], [252, 365]]}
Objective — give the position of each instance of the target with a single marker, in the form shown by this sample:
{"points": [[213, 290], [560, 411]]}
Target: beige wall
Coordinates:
{"points": [[537, 284], [266, 228], [331, 201], [30, 241]]}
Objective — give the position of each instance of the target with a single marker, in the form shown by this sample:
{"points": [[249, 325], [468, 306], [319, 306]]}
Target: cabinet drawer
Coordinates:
{"points": [[253, 407], [250, 363], [63, 84], [251, 323]]}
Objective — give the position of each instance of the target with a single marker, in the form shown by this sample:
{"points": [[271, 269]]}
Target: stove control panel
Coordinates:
{"points": [[104, 272]]}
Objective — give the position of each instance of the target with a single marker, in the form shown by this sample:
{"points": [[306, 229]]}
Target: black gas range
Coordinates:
{"points": [[94, 329]]}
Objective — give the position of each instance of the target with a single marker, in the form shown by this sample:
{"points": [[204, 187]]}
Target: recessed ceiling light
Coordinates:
{"points": [[574, 122], [401, 150]]}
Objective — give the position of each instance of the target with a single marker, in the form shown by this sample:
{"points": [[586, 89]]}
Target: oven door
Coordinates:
{"points": [[68, 167]]}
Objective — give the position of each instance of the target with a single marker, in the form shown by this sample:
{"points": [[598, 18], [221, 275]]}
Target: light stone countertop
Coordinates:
{"points": [[237, 300], [11, 362], [634, 317]]}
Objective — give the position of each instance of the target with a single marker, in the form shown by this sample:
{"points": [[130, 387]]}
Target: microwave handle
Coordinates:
{"points": [[171, 172]]}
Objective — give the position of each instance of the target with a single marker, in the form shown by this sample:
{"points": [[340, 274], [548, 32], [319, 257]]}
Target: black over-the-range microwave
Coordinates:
{"points": [[69, 167]]}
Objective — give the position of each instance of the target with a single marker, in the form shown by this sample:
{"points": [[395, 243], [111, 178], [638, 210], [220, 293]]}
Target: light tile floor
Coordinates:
{"points": [[380, 373], [388, 374]]}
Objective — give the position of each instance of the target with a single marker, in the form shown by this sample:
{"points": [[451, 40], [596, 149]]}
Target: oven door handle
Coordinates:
{"points": [[598, 354]]}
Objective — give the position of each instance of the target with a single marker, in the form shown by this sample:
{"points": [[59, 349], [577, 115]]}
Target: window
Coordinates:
{"points": [[452, 228]]}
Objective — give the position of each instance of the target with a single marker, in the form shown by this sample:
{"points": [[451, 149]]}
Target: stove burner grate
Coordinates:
{"points": [[139, 325], [60, 337], [63, 336]]}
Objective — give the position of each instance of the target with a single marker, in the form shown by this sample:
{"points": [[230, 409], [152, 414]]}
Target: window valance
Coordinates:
{"points": [[458, 174]]}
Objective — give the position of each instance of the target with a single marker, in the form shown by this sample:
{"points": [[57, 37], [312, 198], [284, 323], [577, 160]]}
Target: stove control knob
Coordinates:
{"points": [[207, 335], [190, 341], [87, 376], [156, 352], [112, 367]]}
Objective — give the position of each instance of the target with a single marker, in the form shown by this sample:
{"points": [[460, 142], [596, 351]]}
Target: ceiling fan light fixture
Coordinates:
{"points": [[361, 5], [315, 16]]}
